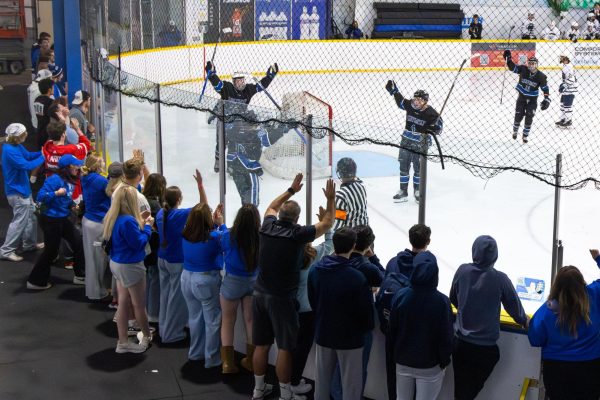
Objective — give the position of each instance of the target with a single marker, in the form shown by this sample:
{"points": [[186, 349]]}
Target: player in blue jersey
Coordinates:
{"points": [[531, 81]]}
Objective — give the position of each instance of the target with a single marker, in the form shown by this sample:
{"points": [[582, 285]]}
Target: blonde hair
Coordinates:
{"points": [[18, 139], [124, 202], [112, 185], [93, 163]]}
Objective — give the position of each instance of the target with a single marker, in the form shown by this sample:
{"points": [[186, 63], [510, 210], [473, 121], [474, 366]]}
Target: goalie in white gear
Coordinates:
{"points": [[551, 32], [567, 89]]}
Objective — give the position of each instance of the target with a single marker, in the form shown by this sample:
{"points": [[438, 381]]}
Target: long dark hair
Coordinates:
{"points": [[172, 197], [199, 224], [65, 174], [244, 235], [570, 292], [155, 187]]}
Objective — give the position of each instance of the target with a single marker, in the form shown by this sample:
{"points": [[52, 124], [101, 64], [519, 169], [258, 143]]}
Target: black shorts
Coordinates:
{"points": [[275, 318]]}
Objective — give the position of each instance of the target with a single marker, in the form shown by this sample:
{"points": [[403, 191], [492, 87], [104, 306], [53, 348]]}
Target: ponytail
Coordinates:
{"points": [[172, 198]]}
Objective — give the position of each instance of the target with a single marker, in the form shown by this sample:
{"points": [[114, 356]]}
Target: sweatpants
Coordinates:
{"points": [[96, 261], [350, 362], [426, 382]]}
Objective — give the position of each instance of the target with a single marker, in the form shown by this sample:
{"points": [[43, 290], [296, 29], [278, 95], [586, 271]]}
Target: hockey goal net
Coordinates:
{"points": [[287, 156]]}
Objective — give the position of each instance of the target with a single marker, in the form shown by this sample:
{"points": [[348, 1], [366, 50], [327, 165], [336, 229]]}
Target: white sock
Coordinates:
{"points": [[285, 391], [259, 382]]}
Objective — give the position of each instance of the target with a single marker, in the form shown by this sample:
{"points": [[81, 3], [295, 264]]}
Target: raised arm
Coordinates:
{"points": [[392, 89], [139, 153], [327, 222], [211, 75], [270, 75], [201, 191], [509, 62], [276, 204]]}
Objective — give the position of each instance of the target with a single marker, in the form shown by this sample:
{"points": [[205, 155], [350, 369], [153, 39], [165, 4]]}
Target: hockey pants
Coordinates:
{"points": [[526, 107], [407, 158], [246, 183], [566, 106]]}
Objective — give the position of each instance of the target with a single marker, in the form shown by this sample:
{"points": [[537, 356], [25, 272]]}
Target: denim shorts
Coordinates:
{"points": [[235, 287]]}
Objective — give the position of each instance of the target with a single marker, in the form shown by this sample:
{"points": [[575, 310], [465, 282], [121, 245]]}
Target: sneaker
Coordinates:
{"points": [[69, 264], [37, 246], [130, 348], [560, 123], [525, 139], [31, 286], [12, 257], [260, 394], [79, 280], [113, 305], [301, 387], [514, 135], [401, 196], [144, 340], [135, 330]]}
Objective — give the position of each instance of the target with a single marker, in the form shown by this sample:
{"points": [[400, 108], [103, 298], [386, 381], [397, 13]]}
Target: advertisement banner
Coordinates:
{"points": [[490, 54], [587, 54], [273, 20], [211, 32], [310, 19], [239, 16], [530, 288], [196, 20]]}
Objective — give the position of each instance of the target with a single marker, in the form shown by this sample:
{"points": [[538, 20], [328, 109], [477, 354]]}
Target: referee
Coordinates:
{"points": [[351, 198]]}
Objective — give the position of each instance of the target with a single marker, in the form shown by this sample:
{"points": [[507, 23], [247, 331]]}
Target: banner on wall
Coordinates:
{"points": [[239, 16], [490, 54], [310, 19], [211, 33], [587, 54], [196, 20], [273, 20]]}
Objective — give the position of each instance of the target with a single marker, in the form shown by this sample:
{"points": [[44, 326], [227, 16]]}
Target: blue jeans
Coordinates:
{"points": [[336, 381], [173, 313], [22, 227], [152, 292], [201, 293]]}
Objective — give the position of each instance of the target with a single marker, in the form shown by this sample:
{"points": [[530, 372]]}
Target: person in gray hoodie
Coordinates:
{"points": [[477, 291]]}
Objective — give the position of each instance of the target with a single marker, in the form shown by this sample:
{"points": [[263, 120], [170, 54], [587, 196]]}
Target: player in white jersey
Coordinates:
{"points": [[567, 89], [551, 32]]}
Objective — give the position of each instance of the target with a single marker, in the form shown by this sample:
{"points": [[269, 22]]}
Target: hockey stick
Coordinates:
{"points": [[212, 59], [504, 76]]}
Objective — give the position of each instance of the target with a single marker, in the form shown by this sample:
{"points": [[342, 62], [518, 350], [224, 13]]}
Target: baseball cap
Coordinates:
{"points": [[55, 69], [115, 170], [43, 74], [69, 159], [80, 97], [15, 129]]}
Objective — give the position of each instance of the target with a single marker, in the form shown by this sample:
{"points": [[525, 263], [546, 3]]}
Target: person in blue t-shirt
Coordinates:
{"points": [[126, 233], [201, 280], [240, 248], [97, 204], [16, 164], [56, 205], [170, 221], [353, 31], [567, 328]]}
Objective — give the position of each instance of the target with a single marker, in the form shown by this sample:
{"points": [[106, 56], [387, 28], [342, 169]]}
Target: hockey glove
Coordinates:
{"points": [[210, 69], [273, 70], [545, 104], [561, 88], [507, 54], [391, 87]]}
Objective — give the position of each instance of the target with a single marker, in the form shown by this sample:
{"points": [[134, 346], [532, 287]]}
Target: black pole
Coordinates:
{"points": [[422, 188], [222, 172], [158, 123], [120, 106], [555, 242], [308, 181]]}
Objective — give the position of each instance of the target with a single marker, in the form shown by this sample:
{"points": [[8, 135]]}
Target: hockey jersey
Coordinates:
{"points": [[529, 84], [245, 141], [418, 124], [351, 205], [52, 154], [528, 29], [227, 90], [569, 80], [551, 33]]}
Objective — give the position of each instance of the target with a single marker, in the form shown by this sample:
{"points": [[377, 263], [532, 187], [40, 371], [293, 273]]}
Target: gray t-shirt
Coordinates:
{"points": [[78, 114]]}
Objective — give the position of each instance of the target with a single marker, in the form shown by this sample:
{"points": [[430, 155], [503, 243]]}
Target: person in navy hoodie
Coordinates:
{"points": [[343, 303], [397, 276], [477, 291], [240, 248], [170, 221], [97, 204], [567, 328], [421, 327], [201, 281], [56, 201], [16, 164], [128, 234]]}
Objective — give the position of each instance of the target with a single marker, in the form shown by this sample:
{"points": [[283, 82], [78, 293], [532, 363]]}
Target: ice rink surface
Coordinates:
{"points": [[514, 208]]}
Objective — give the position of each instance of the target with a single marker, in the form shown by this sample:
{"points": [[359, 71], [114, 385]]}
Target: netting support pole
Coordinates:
{"points": [[556, 244], [422, 188], [222, 171], [308, 148], [120, 108], [158, 123]]}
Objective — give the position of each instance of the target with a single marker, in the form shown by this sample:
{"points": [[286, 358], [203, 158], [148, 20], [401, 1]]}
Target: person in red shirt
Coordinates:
{"points": [[55, 148]]}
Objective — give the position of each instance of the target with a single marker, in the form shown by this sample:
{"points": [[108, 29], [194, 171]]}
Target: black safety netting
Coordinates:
{"points": [[156, 51]]}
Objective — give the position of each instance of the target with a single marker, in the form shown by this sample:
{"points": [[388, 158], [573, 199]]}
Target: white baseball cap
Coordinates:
{"points": [[78, 98], [15, 129], [43, 74]]}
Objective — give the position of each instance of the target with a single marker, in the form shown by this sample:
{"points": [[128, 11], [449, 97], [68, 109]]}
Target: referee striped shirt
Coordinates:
{"points": [[351, 205]]}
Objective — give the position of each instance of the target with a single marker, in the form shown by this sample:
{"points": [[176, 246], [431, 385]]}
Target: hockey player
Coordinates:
{"points": [[421, 120], [237, 94], [574, 33], [528, 28], [244, 141], [551, 32], [567, 90], [351, 197], [531, 80], [590, 33]]}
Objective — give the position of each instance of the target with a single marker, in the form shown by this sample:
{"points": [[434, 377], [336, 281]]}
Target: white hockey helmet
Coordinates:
{"points": [[575, 25], [239, 80]]}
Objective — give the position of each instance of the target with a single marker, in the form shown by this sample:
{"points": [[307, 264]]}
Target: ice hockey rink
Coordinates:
{"points": [[514, 208]]}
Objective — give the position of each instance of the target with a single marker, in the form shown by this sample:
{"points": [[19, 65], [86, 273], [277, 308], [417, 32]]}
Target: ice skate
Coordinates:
{"points": [[525, 139], [566, 124], [401, 197], [560, 123], [514, 135]]}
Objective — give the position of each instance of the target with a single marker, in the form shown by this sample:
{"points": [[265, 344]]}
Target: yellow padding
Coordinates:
{"points": [[505, 319]]}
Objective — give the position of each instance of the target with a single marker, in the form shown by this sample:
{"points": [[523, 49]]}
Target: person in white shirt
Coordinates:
{"points": [[528, 27], [33, 91], [567, 89], [551, 32]]}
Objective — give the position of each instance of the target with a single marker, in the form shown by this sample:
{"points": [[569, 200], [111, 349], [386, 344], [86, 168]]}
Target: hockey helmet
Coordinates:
{"points": [[239, 80], [421, 94], [575, 25], [346, 168], [532, 64]]}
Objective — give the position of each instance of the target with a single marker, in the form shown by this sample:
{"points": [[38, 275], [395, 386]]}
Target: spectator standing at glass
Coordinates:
{"points": [[353, 32], [475, 28], [79, 110]]}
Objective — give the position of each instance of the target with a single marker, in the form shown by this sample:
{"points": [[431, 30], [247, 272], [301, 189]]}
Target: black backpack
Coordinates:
{"points": [[391, 284]]}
